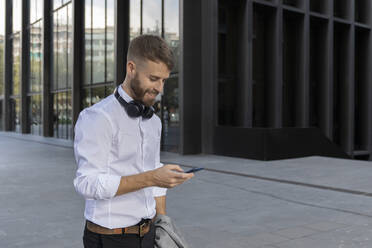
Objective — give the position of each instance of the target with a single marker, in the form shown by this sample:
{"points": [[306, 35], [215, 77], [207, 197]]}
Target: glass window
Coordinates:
{"points": [[110, 41], [1, 115], [98, 37], [17, 15], [62, 48], [171, 28], [98, 93], [35, 114], [69, 114], [135, 18], [15, 115], [86, 98], [110, 89], [61, 115], [2, 40], [55, 115], [170, 109], [69, 47], [88, 41], [16, 64], [35, 57], [59, 3], [99, 50], [62, 81], [34, 101], [151, 17], [36, 7], [55, 52]]}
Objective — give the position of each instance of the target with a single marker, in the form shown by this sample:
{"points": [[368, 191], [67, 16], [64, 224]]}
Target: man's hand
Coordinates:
{"points": [[169, 176]]}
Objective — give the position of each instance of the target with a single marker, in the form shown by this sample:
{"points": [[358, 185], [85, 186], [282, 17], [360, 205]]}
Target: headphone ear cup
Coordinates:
{"points": [[148, 112], [134, 109]]}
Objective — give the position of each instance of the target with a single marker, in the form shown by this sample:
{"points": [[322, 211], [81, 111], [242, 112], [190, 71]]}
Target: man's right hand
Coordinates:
{"points": [[169, 176]]}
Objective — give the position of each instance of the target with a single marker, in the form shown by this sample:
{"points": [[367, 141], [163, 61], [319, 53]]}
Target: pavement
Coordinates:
{"points": [[295, 203]]}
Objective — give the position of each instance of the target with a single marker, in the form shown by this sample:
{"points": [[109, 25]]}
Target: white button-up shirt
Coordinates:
{"points": [[108, 145]]}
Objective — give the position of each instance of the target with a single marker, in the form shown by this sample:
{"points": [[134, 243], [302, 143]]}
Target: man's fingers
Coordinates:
{"points": [[174, 167], [184, 175]]}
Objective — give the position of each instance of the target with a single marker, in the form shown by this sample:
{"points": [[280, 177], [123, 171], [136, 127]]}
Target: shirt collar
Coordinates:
{"points": [[124, 94]]}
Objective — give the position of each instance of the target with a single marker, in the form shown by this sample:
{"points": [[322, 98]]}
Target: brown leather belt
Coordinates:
{"points": [[141, 228]]}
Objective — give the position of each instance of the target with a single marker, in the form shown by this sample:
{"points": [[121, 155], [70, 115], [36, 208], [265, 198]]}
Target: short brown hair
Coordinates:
{"points": [[150, 47]]}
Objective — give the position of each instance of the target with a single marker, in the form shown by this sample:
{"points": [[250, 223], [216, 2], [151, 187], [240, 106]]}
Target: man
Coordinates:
{"points": [[117, 149]]}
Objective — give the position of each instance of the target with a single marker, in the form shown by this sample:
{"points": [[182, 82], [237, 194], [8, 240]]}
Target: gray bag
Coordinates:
{"points": [[167, 234]]}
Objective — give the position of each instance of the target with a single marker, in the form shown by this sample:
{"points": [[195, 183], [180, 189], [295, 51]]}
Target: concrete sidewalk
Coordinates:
{"points": [[309, 202]]}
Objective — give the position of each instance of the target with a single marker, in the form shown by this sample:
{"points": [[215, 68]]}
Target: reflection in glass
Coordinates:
{"points": [[171, 127], [88, 40], [55, 52], [59, 3], [62, 48], [110, 41], [1, 115], [135, 18], [55, 115], [69, 46], [171, 29], [151, 17], [98, 93], [98, 41], [86, 98], [109, 90], [62, 115], [16, 65], [93, 95], [15, 115], [35, 114], [35, 57], [171, 117], [17, 16], [69, 114], [36, 10], [99, 49], [62, 51], [2, 40]]}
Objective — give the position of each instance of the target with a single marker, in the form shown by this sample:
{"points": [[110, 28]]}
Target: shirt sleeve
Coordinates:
{"points": [[92, 144], [158, 191]]}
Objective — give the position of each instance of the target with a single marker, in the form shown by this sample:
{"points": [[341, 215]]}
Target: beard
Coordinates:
{"points": [[135, 85], [139, 92]]}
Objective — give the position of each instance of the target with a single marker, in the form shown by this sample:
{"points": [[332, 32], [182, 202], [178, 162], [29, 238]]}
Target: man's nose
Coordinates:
{"points": [[159, 87]]}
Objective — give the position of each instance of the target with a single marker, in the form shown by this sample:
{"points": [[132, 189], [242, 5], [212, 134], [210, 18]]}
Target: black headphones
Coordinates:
{"points": [[134, 108]]}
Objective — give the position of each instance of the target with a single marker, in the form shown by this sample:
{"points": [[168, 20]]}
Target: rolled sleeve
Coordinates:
{"points": [[92, 144], [158, 191]]}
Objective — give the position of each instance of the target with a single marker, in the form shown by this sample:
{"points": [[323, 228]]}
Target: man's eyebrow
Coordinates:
{"points": [[157, 77]]}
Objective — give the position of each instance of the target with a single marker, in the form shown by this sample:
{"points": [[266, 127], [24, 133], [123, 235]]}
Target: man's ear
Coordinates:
{"points": [[131, 68]]}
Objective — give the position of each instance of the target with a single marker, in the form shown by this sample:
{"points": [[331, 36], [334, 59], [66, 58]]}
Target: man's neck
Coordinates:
{"points": [[127, 89]]}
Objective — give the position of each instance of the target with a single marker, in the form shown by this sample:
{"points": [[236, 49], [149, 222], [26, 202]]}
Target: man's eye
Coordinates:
{"points": [[153, 79]]}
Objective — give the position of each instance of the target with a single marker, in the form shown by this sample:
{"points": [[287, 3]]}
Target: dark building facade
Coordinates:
{"points": [[261, 79]]}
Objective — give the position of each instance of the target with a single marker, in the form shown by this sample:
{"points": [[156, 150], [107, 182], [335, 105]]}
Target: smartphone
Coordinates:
{"points": [[194, 170]]}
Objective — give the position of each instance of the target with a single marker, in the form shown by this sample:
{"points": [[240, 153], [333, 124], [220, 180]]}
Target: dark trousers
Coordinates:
{"points": [[95, 240]]}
